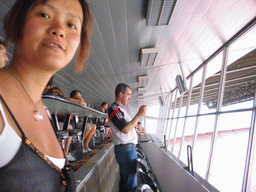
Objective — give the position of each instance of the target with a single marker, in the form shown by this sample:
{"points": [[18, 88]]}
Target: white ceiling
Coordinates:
{"points": [[196, 30]]}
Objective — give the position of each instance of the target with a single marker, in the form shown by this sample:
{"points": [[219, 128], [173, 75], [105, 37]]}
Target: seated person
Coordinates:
{"points": [[56, 91], [89, 131], [90, 128], [139, 130], [106, 110], [76, 96], [103, 108], [108, 133]]}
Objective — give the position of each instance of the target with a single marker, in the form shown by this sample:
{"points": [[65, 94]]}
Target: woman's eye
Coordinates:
{"points": [[72, 26], [45, 15]]}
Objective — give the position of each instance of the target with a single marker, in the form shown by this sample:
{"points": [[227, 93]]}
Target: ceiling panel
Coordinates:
{"points": [[197, 29]]}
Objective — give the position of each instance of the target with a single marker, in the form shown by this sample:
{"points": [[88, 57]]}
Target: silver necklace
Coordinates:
{"points": [[37, 113]]}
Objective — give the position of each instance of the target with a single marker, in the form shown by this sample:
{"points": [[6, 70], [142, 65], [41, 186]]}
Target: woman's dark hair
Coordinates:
{"points": [[15, 20], [121, 87], [2, 43], [73, 93]]}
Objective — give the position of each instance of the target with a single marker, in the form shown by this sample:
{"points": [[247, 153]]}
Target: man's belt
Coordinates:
{"points": [[127, 144]]}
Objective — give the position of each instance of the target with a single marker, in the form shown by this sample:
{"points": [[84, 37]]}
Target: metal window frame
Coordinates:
{"points": [[217, 115], [168, 112], [173, 110], [251, 151], [177, 122], [186, 113], [201, 96]]}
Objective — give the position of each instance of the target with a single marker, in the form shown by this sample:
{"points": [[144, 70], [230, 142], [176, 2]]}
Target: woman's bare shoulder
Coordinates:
{"points": [[2, 86], [3, 78], [5, 92], [1, 121], [5, 82]]}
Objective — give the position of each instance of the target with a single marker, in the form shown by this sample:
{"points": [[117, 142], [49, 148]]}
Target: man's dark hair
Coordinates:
{"points": [[104, 103], [50, 82], [50, 91], [2, 43], [121, 87], [73, 93]]}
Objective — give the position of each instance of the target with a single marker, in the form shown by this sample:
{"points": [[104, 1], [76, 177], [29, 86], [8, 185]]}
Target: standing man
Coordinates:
{"points": [[125, 137], [3, 56]]}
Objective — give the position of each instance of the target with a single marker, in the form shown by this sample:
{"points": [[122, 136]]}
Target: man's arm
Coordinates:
{"points": [[131, 125], [81, 101], [116, 116], [102, 110]]}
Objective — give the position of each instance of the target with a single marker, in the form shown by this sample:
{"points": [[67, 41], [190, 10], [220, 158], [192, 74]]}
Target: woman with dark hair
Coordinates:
{"points": [[46, 35], [90, 128]]}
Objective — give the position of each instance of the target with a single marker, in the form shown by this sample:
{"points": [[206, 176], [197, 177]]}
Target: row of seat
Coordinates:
{"points": [[146, 179], [78, 124]]}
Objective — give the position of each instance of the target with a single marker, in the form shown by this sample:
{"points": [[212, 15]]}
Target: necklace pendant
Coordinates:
{"points": [[38, 115]]}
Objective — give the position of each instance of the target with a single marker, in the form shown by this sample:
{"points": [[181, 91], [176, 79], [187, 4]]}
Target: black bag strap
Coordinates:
{"points": [[14, 119]]}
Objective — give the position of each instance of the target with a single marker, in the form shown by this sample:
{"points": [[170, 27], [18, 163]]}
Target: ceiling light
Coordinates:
{"points": [[159, 12], [141, 90], [148, 57], [140, 98], [143, 80]]}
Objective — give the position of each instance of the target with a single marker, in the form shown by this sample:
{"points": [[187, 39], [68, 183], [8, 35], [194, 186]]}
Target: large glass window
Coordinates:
{"points": [[229, 120], [253, 176], [178, 133], [242, 46], [171, 134], [202, 144], [151, 124], [188, 137], [230, 151]]}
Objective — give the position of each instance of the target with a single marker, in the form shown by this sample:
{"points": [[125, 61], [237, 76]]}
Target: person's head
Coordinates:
{"points": [[55, 91], [139, 124], [104, 105], [59, 25], [3, 54], [123, 93], [75, 94]]}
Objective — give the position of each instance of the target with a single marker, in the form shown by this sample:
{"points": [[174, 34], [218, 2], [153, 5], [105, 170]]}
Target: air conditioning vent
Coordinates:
{"points": [[159, 12], [148, 57], [141, 90], [143, 80]]}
